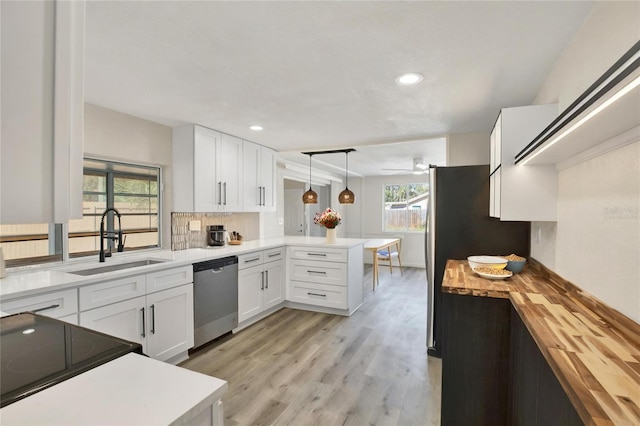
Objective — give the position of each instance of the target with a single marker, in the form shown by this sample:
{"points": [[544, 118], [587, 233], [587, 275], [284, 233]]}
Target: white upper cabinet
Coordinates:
{"points": [[229, 173], [259, 178], [207, 170], [42, 111], [521, 193]]}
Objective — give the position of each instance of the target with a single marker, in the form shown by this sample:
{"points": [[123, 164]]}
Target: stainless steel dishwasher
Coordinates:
{"points": [[215, 298]]}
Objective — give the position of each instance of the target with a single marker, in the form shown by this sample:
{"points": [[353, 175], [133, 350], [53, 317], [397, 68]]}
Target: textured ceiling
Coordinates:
{"points": [[320, 75]]}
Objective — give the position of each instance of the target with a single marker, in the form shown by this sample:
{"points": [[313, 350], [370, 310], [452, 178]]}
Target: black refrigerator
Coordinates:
{"points": [[458, 225]]}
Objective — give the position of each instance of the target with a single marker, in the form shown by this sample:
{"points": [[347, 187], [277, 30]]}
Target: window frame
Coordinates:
{"points": [[110, 195]]}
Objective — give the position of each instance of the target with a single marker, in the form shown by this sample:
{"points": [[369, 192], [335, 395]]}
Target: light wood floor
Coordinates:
{"points": [[305, 368]]}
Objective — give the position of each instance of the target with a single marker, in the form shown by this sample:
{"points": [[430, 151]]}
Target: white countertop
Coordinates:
{"points": [[57, 277], [130, 390]]}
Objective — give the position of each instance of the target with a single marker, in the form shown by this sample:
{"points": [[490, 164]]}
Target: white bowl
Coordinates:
{"points": [[494, 262]]}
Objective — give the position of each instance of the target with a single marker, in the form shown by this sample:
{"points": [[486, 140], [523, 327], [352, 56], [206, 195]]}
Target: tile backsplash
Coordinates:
{"points": [[246, 224]]}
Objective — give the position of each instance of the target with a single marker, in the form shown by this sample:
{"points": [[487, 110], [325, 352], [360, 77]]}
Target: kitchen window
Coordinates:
{"points": [[131, 189], [405, 207]]}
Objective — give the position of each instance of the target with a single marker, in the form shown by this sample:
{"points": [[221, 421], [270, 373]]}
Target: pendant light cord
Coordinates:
{"points": [[346, 176]]}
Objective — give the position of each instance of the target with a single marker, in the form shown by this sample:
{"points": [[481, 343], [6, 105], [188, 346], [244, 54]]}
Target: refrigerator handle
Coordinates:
{"points": [[430, 245]]}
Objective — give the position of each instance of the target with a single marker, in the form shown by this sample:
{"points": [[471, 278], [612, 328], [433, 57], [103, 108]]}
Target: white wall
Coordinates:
{"points": [[469, 149], [116, 136], [412, 253], [596, 241]]}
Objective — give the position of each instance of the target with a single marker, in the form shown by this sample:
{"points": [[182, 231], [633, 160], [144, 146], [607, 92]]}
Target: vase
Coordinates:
{"points": [[331, 235]]}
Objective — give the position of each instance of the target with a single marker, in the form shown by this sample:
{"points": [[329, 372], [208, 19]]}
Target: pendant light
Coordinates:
{"points": [[310, 197], [347, 196]]}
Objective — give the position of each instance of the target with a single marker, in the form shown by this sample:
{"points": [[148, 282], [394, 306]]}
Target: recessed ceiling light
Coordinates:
{"points": [[256, 128], [408, 79]]}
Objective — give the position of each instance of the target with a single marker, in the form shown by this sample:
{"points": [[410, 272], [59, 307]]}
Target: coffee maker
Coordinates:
{"points": [[216, 235]]}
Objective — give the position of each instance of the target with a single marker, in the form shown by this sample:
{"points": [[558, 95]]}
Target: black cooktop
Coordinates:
{"points": [[37, 352]]}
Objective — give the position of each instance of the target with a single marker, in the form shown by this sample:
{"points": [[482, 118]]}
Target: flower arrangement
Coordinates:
{"points": [[328, 218]]}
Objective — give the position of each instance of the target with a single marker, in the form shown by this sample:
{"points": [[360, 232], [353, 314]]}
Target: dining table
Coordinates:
{"points": [[375, 245]]}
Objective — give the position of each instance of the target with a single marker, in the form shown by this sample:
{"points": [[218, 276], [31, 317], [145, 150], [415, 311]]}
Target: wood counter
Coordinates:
{"points": [[593, 350]]}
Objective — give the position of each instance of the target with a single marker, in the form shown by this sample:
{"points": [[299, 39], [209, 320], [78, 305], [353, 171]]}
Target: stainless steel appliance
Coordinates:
{"points": [[215, 298], [216, 235], [458, 226], [38, 352]]}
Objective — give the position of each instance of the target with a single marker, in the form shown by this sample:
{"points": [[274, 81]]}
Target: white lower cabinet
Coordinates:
{"points": [[123, 319], [170, 322], [61, 304], [326, 277], [260, 282], [161, 321]]}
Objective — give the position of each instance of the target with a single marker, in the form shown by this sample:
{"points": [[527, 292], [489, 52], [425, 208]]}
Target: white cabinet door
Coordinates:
{"points": [[518, 192], [267, 179], [274, 284], [57, 304], [229, 173], [250, 285], [126, 320], [259, 179], [42, 107], [252, 193], [205, 196], [170, 322]]}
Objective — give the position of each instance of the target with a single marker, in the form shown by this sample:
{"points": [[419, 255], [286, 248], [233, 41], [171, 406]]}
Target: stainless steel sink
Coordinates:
{"points": [[116, 267]]}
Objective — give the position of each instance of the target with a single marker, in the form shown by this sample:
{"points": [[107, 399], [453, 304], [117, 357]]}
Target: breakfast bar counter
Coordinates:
{"points": [[593, 350]]}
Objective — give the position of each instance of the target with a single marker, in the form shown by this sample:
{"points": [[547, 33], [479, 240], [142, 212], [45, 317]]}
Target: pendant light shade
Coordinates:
{"points": [[310, 197], [346, 196]]}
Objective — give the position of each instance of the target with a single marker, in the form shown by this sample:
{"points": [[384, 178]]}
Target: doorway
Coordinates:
{"points": [[298, 217]]}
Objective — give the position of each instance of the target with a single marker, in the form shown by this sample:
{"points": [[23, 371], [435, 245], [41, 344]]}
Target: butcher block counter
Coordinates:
{"points": [[593, 350]]}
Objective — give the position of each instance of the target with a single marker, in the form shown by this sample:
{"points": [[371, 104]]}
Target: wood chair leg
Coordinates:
{"points": [[399, 262]]}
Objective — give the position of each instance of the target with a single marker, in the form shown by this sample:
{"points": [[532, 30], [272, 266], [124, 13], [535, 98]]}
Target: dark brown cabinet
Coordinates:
{"points": [[536, 397], [492, 370], [475, 360]]}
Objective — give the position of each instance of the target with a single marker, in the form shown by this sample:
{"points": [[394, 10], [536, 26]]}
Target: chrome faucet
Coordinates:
{"points": [[110, 235]]}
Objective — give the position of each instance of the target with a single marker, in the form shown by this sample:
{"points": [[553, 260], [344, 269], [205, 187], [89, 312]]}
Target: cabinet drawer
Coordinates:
{"points": [[169, 278], [319, 272], [105, 293], [250, 259], [319, 294], [273, 255], [321, 254], [56, 305]]}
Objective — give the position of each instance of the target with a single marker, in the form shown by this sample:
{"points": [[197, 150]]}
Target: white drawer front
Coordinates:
{"points": [[105, 293], [319, 295], [273, 255], [250, 259], [169, 278], [321, 254], [319, 272], [56, 305]]}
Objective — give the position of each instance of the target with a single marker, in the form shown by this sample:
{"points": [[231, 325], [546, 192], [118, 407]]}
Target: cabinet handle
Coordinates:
{"points": [[259, 195], [317, 272], [266, 274], [262, 280], [251, 260], [153, 319], [219, 193], [144, 326], [264, 195], [225, 193], [275, 254], [316, 294], [317, 254], [46, 308]]}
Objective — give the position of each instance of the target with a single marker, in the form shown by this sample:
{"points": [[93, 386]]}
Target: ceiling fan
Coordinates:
{"points": [[419, 167]]}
